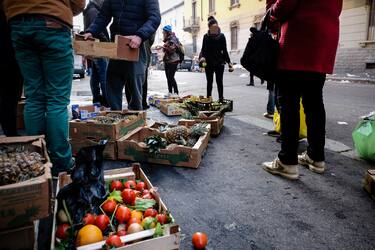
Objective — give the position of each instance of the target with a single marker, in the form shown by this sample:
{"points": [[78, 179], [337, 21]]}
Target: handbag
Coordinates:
{"points": [[261, 52]]}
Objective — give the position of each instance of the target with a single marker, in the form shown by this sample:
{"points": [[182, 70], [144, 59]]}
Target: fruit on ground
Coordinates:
{"points": [[177, 133], [113, 241], [128, 196], [199, 240], [62, 231], [150, 212], [109, 206], [141, 186], [130, 184], [149, 223], [137, 214], [102, 221], [89, 234], [116, 185], [134, 228], [123, 214], [88, 219]]}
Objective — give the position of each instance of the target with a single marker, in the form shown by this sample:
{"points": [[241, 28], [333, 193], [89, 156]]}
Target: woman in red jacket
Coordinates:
{"points": [[308, 45]]}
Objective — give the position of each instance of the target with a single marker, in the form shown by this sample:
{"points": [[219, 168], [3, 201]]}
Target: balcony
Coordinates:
{"points": [[191, 24]]}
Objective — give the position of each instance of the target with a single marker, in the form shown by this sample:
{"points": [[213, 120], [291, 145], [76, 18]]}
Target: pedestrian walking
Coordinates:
{"points": [[138, 20], [307, 53], [12, 81], [41, 36], [215, 54], [271, 101], [252, 82], [171, 58], [98, 65]]}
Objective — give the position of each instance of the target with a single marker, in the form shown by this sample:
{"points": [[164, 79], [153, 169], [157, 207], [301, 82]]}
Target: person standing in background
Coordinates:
{"points": [[171, 58], [98, 65], [308, 45], [215, 54], [41, 36], [12, 81], [148, 45]]}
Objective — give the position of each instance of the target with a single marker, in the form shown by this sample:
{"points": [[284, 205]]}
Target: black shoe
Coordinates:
{"points": [[250, 84], [145, 107], [273, 133]]}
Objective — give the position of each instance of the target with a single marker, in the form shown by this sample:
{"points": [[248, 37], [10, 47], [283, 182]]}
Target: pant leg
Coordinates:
{"points": [[219, 73], [95, 81], [173, 70], [312, 99], [144, 90], [168, 76], [102, 65], [271, 102], [289, 97], [115, 83], [210, 79], [251, 78]]}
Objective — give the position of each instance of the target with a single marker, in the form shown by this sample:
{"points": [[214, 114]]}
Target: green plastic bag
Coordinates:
{"points": [[364, 137]]}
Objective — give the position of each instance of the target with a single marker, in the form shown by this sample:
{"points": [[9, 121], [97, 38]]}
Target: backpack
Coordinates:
{"points": [[180, 51]]}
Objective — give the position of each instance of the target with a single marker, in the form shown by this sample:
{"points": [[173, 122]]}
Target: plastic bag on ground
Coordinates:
{"points": [[364, 137]]}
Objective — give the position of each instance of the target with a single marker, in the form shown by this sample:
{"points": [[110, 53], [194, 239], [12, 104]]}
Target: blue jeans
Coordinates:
{"points": [[98, 78], [45, 56], [271, 102]]}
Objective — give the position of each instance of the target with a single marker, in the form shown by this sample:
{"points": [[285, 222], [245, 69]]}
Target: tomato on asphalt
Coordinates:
{"points": [[102, 221], [109, 206], [141, 186], [130, 184], [113, 241], [62, 231], [116, 185], [128, 196], [199, 240], [150, 212], [89, 219], [123, 214]]}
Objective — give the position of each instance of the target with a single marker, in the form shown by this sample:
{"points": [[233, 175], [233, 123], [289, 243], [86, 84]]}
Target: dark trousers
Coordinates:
{"points": [[98, 80], [10, 92], [144, 91], [170, 71], [219, 73], [292, 86], [252, 79]]}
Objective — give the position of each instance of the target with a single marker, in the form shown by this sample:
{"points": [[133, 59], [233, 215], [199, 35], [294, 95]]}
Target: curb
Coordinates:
{"points": [[351, 79]]}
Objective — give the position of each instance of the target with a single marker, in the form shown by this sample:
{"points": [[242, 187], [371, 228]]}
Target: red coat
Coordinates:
{"points": [[309, 33]]}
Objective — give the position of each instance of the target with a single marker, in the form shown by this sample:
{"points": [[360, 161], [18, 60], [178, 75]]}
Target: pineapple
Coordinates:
{"points": [[198, 130], [177, 133], [155, 143]]}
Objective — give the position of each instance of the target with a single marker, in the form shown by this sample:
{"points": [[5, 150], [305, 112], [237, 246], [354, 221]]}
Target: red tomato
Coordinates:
{"points": [[128, 196], [123, 214], [116, 185], [130, 184], [109, 206], [89, 219], [134, 220], [102, 221], [62, 231], [162, 218], [146, 191], [150, 212], [141, 186], [113, 241], [148, 196], [121, 233], [199, 240]]}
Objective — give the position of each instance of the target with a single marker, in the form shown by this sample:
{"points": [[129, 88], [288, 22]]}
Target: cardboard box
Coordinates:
{"points": [[110, 151], [20, 238], [157, 101], [171, 238], [369, 182], [133, 148], [171, 109], [118, 50], [24, 202], [217, 123], [90, 130], [87, 111]]}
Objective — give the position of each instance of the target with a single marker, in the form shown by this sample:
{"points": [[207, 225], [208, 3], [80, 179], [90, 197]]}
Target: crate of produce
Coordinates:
{"points": [[110, 125], [25, 237], [369, 182], [158, 100], [25, 181], [84, 112], [176, 145], [110, 151], [172, 109], [118, 50], [147, 225]]}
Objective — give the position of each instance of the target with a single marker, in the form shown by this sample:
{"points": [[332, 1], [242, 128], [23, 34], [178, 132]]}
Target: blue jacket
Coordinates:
{"points": [[130, 17]]}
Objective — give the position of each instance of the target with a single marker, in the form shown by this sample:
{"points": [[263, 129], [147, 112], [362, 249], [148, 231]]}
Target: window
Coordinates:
{"points": [[371, 28], [211, 6], [234, 35], [234, 2]]}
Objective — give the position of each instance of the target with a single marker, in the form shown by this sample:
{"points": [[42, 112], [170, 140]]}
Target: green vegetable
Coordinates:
{"points": [[115, 195], [158, 231], [143, 204]]}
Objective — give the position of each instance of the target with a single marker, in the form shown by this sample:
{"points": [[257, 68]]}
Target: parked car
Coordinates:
{"points": [[79, 66], [186, 64]]}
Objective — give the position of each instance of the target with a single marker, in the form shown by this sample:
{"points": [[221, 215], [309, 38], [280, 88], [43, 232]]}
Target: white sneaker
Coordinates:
{"points": [[276, 167], [314, 166]]}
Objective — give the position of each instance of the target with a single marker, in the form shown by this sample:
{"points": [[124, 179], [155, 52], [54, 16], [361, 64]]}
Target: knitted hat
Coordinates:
{"points": [[211, 21], [167, 28]]}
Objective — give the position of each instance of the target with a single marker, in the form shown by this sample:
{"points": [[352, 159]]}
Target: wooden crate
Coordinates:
{"points": [[22, 238], [110, 150], [24, 202], [118, 50], [133, 148], [369, 182], [170, 109], [216, 123], [171, 238]]}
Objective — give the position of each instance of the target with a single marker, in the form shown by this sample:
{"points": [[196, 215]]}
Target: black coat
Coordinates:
{"points": [[89, 14], [214, 49]]}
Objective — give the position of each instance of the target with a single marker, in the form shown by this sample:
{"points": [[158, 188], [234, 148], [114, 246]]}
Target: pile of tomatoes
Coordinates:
{"points": [[129, 208]]}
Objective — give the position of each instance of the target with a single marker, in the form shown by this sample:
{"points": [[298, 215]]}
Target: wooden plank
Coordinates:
{"points": [[124, 51]]}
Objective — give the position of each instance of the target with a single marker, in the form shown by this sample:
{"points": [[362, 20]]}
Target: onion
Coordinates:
{"points": [[62, 216], [121, 227], [134, 228]]}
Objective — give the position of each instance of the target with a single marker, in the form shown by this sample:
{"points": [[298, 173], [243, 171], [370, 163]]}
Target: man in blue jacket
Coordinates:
{"points": [[138, 20]]}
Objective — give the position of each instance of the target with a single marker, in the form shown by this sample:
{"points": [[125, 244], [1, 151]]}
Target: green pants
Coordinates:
{"points": [[45, 57]]}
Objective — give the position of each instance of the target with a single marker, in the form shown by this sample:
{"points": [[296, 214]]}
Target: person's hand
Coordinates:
{"points": [[87, 36], [135, 41]]}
